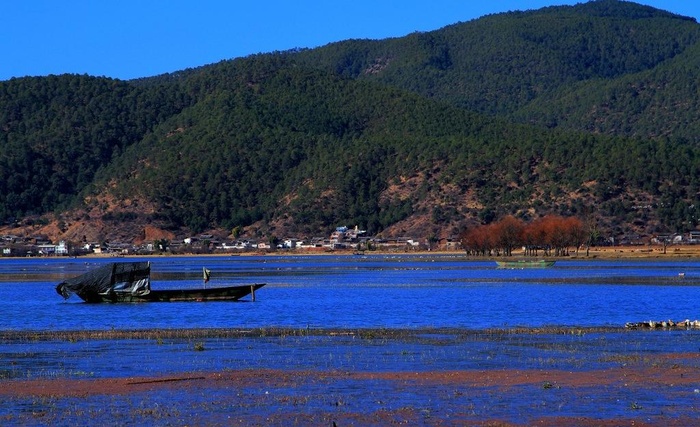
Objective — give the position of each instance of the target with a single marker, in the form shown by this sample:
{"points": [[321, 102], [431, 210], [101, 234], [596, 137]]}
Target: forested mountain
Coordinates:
{"points": [[57, 131], [587, 110], [515, 64]]}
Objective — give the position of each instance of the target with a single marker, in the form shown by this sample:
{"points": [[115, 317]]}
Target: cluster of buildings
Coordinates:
{"points": [[691, 238], [32, 246], [341, 239]]}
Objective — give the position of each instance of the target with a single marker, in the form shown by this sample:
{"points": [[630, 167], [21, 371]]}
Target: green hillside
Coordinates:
{"points": [[57, 131], [661, 103], [500, 63], [585, 110]]}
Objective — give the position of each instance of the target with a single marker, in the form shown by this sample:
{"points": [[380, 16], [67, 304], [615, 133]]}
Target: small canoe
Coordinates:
{"points": [[525, 263]]}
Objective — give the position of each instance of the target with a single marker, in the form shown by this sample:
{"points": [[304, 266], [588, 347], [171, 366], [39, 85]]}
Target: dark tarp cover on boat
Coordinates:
{"points": [[116, 277]]}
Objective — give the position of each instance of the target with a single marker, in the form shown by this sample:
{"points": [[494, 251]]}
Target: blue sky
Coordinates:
{"points": [[139, 38]]}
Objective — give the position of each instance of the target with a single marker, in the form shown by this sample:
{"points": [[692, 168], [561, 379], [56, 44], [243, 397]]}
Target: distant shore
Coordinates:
{"points": [[606, 253], [634, 252]]}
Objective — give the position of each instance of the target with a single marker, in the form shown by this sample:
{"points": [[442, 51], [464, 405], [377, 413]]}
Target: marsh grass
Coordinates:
{"points": [[430, 347], [435, 335]]}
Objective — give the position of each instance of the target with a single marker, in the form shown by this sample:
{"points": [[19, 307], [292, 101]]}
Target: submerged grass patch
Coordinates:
{"points": [[276, 376], [362, 333]]}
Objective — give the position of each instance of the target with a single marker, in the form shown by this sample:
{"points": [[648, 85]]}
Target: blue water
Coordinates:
{"points": [[363, 291]]}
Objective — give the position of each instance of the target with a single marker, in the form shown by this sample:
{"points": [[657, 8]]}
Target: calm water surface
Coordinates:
{"points": [[363, 291]]}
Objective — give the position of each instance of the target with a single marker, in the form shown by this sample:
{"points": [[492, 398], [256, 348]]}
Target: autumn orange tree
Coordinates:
{"points": [[478, 240], [508, 234], [552, 234]]}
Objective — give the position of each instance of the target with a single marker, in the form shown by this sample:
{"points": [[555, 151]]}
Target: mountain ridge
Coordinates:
{"points": [[524, 113]]}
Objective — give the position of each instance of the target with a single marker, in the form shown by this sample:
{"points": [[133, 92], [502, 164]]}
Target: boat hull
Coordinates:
{"points": [[228, 293], [525, 264]]}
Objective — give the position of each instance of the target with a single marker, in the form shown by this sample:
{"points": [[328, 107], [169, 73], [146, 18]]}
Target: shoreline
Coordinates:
{"points": [[656, 252]]}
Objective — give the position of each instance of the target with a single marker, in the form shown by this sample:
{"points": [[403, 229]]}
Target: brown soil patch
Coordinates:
{"points": [[549, 377], [501, 381], [647, 377]]}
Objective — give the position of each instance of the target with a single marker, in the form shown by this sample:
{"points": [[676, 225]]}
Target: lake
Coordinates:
{"points": [[358, 291]]}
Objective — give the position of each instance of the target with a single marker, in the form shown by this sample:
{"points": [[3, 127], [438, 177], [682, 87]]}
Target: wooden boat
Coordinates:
{"points": [[131, 282], [525, 263]]}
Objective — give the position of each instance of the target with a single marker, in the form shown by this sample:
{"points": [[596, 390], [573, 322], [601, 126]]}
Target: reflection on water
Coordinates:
{"points": [[363, 291]]}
